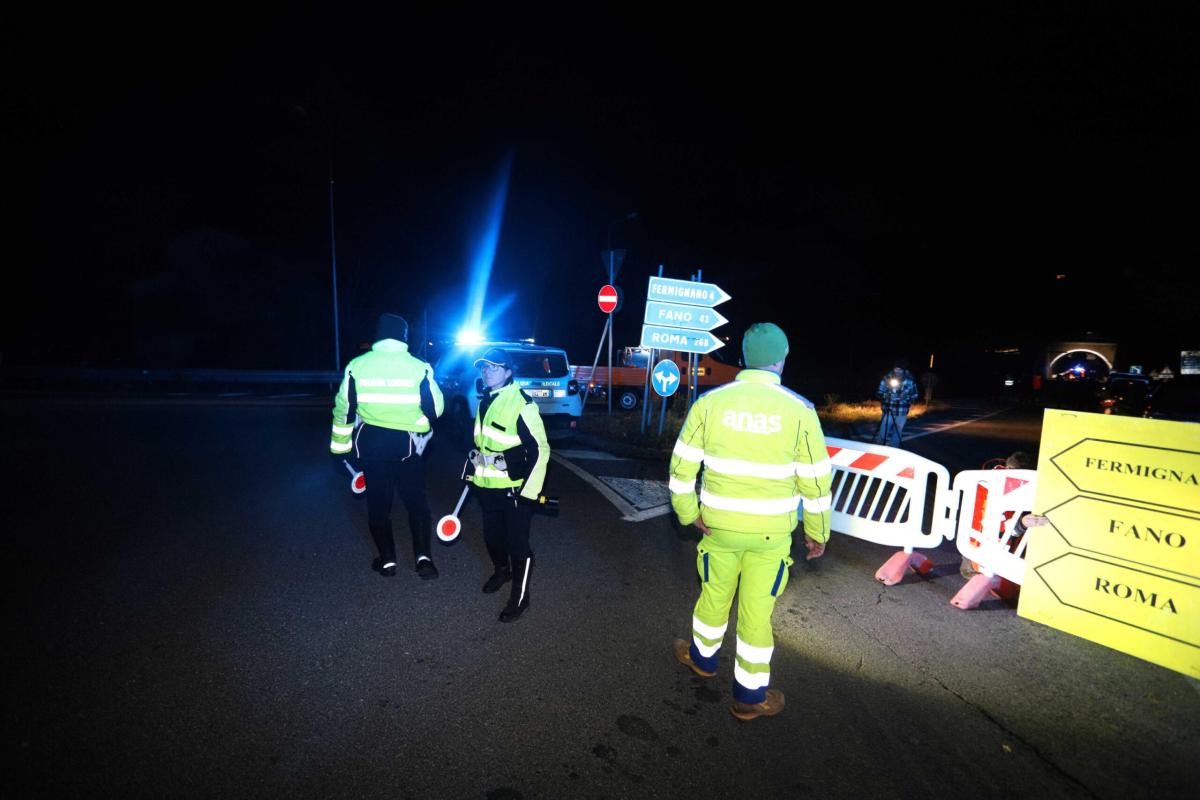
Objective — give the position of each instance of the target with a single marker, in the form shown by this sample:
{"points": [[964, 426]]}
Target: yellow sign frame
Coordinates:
{"points": [[1119, 563]]}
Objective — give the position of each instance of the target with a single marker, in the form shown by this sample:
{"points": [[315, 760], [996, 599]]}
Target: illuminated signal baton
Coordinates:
{"points": [[358, 482], [449, 527]]}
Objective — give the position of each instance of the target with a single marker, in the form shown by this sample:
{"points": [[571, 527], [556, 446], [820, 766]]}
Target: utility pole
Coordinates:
{"points": [[337, 344]]}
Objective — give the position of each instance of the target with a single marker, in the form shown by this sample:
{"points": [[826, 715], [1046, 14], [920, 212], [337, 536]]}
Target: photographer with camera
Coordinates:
{"points": [[897, 391]]}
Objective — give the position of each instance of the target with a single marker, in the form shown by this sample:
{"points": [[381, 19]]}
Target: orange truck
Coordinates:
{"points": [[629, 374]]}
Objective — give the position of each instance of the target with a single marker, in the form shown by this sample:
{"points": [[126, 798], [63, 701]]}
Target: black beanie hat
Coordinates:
{"points": [[391, 326]]}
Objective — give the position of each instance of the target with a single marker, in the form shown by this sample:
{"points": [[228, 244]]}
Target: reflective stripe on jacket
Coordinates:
{"points": [[763, 454], [387, 387], [511, 424]]}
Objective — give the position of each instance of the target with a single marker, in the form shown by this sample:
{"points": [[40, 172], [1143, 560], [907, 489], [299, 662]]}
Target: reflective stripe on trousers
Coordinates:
{"points": [[755, 566]]}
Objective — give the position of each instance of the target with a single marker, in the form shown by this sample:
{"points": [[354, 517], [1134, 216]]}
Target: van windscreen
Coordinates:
{"points": [[538, 365]]}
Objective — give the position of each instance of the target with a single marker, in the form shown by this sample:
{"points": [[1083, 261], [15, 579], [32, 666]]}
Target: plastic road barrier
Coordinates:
{"points": [[891, 497], [992, 502]]}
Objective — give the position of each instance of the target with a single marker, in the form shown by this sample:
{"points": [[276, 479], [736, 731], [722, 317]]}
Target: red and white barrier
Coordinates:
{"points": [[891, 497], [992, 502]]}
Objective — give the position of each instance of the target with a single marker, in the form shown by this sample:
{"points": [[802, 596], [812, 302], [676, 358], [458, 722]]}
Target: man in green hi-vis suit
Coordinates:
{"points": [[764, 455]]}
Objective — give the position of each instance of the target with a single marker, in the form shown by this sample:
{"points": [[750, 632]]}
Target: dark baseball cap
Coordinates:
{"points": [[496, 355]]}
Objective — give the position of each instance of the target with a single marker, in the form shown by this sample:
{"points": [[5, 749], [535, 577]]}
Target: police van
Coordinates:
{"points": [[542, 372]]}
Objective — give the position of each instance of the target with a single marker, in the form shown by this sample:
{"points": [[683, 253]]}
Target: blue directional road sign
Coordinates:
{"points": [[678, 315], [665, 377], [686, 341], [673, 290]]}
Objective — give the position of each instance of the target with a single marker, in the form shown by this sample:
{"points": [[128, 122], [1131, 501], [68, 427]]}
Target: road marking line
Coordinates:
{"points": [[594, 455], [953, 425], [628, 512]]}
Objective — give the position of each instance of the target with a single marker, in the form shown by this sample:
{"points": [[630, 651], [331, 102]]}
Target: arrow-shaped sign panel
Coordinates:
{"points": [[680, 339], [678, 315], [1152, 603], [673, 290], [1158, 476], [1143, 536]]}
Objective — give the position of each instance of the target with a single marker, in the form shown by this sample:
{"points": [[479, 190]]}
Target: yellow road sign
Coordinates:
{"points": [[1119, 563]]}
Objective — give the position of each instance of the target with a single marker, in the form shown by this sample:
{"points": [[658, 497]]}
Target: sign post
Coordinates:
{"points": [[608, 298], [646, 383], [613, 260], [1119, 563], [680, 316]]}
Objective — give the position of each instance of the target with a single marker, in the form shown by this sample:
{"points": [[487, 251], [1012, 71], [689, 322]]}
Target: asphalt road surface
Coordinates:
{"points": [[190, 613]]}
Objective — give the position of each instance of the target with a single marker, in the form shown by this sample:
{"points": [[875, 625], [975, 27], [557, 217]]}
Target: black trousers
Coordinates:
{"points": [[389, 464], [505, 527]]}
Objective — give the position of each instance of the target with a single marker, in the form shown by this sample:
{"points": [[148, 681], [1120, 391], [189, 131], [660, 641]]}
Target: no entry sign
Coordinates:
{"points": [[607, 298]]}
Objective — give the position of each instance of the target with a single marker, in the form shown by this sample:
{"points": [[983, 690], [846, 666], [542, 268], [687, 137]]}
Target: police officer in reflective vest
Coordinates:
{"points": [[764, 455], [386, 402], [509, 470]]}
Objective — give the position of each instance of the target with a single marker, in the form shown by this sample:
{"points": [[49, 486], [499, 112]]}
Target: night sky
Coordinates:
{"points": [[854, 180]]}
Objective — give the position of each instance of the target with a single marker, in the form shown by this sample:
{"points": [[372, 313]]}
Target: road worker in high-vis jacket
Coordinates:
{"points": [[509, 465], [383, 414], [764, 456]]}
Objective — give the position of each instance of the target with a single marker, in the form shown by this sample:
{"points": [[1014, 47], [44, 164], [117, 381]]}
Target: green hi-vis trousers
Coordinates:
{"points": [[761, 560]]}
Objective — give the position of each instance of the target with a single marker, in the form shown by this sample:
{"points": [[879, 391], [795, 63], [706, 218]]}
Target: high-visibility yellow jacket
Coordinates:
{"points": [[763, 454], [387, 387], [508, 421]]}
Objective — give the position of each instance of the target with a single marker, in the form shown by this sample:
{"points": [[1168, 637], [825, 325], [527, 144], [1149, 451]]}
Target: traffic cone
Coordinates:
{"points": [[973, 593]]}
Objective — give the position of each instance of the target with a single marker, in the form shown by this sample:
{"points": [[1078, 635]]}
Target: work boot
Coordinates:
{"points": [[500, 576], [385, 568], [518, 598], [683, 654], [385, 545], [767, 708]]}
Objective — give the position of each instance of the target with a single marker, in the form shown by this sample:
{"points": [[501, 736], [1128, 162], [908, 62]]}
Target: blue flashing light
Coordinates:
{"points": [[469, 336], [486, 241]]}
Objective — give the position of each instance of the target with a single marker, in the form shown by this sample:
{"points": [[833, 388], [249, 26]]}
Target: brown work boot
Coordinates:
{"points": [[683, 655], [768, 708]]}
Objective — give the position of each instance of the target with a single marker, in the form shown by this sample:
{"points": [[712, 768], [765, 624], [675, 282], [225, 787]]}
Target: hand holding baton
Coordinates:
{"points": [[358, 483]]}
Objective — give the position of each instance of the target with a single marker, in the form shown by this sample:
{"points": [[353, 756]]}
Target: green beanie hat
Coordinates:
{"points": [[764, 344]]}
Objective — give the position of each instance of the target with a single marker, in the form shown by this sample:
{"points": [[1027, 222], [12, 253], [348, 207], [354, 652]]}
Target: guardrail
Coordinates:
{"points": [[158, 375]]}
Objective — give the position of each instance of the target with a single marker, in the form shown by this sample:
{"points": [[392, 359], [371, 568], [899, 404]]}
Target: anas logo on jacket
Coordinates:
{"points": [[749, 422]]}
